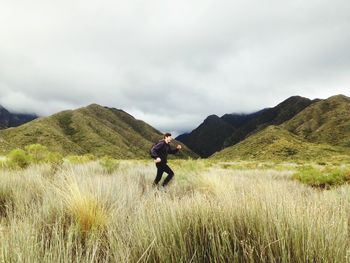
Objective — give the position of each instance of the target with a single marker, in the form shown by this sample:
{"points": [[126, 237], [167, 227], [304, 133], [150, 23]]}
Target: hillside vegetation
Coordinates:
{"points": [[277, 144], [319, 132], [93, 129], [327, 121], [270, 116]]}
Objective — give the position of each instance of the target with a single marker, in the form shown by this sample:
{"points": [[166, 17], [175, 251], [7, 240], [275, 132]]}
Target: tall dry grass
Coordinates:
{"points": [[208, 214]]}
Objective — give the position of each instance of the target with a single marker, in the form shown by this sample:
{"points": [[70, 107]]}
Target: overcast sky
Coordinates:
{"points": [[171, 63]]}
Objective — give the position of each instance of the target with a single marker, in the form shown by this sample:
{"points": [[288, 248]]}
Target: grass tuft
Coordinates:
{"points": [[84, 208]]}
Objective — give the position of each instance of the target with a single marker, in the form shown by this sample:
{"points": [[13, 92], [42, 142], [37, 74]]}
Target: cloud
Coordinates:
{"points": [[171, 63]]}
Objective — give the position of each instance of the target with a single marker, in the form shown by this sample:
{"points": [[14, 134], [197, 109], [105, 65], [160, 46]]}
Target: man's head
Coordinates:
{"points": [[167, 137]]}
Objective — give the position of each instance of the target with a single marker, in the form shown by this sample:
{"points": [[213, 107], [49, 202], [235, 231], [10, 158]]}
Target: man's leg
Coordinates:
{"points": [[170, 174], [160, 171]]}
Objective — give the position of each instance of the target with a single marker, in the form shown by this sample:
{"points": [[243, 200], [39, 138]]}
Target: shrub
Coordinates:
{"points": [[54, 158], [89, 157], [18, 158], [37, 152], [80, 159], [109, 165], [324, 178]]}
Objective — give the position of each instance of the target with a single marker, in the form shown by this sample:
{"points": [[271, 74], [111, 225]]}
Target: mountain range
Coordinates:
{"points": [[297, 128], [8, 119], [230, 129], [93, 129]]}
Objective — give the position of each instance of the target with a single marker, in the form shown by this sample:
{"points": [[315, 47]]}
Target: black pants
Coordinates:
{"points": [[161, 168]]}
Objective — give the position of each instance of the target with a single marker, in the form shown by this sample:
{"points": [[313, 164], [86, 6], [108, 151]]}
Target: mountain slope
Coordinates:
{"points": [[320, 131], [270, 116], [4, 118], [217, 133], [275, 143], [208, 137], [327, 121], [238, 120], [8, 119], [92, 129]]}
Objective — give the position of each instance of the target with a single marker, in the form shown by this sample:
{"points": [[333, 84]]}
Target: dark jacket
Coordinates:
{"points": [[161, 150]]}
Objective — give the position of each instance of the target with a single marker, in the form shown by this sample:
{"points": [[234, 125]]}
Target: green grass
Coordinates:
{"points": [[108, 164], [80, 159], [210, 213], [276, 144], [325, 177]]}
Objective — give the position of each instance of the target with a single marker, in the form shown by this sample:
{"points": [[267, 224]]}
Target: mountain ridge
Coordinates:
{"points": [[8, 119], [92, 129], [242, 126], [320, 131]]}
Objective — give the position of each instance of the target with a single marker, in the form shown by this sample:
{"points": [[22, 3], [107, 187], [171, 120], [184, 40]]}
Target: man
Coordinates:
{"points": [[160, 153]]}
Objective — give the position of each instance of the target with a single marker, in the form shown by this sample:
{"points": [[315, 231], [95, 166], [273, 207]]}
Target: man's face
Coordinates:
{"points": [[168, 139]]}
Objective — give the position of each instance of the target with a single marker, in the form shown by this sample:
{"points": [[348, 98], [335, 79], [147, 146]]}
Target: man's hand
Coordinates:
{"points": [[158, 160], [179, 147]]}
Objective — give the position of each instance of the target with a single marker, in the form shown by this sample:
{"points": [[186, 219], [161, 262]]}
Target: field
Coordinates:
{"points": [[211, 212]]}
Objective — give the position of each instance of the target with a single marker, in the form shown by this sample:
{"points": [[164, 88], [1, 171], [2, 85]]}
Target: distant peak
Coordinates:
{"points": [[94, 105], [234, 114], [97, 107], [339, 96], [293, 100], [296, 98], [212, 117]]}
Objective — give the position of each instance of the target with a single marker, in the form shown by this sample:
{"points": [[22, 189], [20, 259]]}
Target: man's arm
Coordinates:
{"points": [[174, 151]]}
